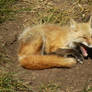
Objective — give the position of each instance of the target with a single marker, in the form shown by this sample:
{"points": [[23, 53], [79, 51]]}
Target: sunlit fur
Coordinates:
{"points": [[52, 37]]}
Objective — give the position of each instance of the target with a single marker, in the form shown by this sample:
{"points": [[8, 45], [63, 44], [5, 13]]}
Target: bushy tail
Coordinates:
{"points": [[45, 61]]}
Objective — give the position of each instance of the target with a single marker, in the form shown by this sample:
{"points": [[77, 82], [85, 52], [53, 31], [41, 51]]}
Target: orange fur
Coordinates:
{"points": [[46, 61], [51, 37]]}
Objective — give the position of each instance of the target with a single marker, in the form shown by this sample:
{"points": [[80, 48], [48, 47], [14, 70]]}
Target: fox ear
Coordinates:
{"points": [[90, 21], [72, 23]]}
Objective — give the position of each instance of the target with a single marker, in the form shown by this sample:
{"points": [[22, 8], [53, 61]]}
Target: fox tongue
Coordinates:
{"points": [[84, 52]]}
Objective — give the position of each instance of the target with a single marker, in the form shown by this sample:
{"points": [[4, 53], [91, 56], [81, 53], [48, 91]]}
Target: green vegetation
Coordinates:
{"points": [[53, 15], [9, 84], [45, 14], [51, 87], [87, 88], [6, 12]]}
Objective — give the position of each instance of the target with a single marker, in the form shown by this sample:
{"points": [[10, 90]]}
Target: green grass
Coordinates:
{"points": [[87, 88], [50, 87], [61, 16], [6, 11], [9, 84], [45, 15], [53, 16]]}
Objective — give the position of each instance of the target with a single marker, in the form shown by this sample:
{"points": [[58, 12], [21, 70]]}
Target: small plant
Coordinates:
{"points": [[6, 12], [9, 84], [49, 88], [87, 89]]}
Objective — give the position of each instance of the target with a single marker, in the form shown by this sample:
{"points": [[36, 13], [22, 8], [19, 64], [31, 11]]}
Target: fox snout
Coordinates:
{"points": [[88, 42]]}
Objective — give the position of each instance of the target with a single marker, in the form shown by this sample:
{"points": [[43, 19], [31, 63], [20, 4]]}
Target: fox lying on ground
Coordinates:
{"points": [[50, 37]]}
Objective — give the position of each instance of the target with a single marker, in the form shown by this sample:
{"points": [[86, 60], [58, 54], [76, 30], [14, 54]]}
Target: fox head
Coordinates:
{"points": [[83, 32]]}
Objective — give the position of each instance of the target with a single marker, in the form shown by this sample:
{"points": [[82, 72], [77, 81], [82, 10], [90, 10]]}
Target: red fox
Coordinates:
{"points": [[50, 37]]}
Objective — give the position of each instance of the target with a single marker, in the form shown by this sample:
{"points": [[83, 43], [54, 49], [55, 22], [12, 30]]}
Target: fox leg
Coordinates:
{"points": [[31, 58], [43, 47], [69, 53], [32, 46]]}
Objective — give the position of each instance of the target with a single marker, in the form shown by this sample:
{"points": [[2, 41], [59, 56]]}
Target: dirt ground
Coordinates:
{"points": [[74, 79]]}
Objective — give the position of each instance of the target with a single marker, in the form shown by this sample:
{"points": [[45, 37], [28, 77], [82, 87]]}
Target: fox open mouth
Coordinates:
{"points": [[83, 50]]}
